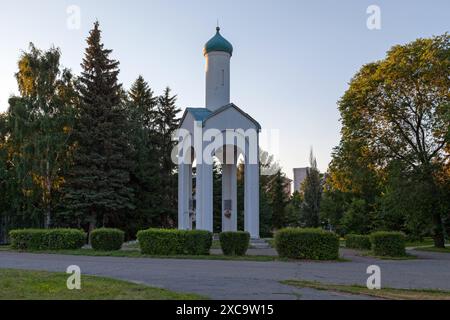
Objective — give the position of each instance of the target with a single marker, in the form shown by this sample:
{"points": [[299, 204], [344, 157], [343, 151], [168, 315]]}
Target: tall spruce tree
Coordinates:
{"points": [[167, 122], [143, 104], [97, 190], [145, 177]]}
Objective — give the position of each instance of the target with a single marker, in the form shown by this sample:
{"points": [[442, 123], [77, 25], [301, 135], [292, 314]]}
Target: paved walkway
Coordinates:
{"points": [[243, 280]]}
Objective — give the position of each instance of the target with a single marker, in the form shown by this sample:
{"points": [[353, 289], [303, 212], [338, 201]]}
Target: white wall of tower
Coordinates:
{"points": [[217, 79]]}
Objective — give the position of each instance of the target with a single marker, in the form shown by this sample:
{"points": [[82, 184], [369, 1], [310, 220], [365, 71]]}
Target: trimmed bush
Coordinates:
{"points": [[357, 241], [197, 242], [105, 239], [47, 239], [234, 243], [311, 244], [390, 244], [174, 242]]}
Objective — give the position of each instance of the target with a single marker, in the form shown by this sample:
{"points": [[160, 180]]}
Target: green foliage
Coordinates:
{"points": [[81, 152], [167, 122], [357, 218], [406, 203], [47, 239], [37, 126], [356, 241], [390, 244], [278, 199], [234, 243], [106, 239], [145, 174], [332, 209], [174, 242], [265, 215], [313, 244], [268, 202], [294, 210]]}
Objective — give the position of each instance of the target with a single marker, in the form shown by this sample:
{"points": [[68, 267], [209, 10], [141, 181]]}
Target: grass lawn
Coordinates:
{"points": [[216, 245], [38, 285], [138, 254], [384, 293], [427, 241], [434, 249], [371, 254]]}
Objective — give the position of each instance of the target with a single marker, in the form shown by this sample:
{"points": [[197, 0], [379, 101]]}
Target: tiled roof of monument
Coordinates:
{"points": [[203, 114], [199, 114]]}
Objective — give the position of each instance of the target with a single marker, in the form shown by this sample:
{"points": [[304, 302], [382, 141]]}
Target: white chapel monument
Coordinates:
{"points": [[221, 131]]}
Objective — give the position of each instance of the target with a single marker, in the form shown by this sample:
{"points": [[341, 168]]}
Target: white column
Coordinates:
{"points": [[188, 219], [204, 197], [198, 198], [251, 189], [183, 195], [229, 192]]}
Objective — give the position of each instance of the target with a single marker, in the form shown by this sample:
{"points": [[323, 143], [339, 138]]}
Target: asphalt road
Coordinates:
{"points": [[244, 280]]}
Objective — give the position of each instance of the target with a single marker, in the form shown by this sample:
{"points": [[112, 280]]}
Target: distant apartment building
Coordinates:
{"points": [[299, 177], [287, 186]]}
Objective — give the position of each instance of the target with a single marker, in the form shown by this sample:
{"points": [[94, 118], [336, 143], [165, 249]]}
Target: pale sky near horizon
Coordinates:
{"points": [[292, 59]]}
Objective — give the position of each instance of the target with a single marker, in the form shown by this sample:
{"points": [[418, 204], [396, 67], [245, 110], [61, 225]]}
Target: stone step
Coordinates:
{"points": [[259, 244], [254, 243]]}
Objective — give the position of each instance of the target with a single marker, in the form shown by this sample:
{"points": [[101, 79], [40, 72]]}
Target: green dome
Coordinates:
{"points": [[218, 43]]}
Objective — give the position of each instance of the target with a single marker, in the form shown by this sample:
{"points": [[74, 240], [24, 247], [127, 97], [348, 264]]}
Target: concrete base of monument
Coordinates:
{"points": [[259, 244], [254, 243]]}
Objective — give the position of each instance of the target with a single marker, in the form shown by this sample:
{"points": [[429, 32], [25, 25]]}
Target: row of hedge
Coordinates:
{"points": [[382, 243], [65, 239], [190, 242], [152, 241], [294, 243]]}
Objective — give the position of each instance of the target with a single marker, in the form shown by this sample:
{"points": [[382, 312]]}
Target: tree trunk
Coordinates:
{"points": [[438, 225], [92, 225], [48, 219], [46, 197]]}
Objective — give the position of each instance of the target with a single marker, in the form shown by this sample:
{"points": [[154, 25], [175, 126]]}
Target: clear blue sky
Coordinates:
{"points": [[292, 61]]}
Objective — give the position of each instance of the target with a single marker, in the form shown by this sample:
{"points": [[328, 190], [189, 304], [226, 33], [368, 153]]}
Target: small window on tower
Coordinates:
{"points": [[223, 77]]}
